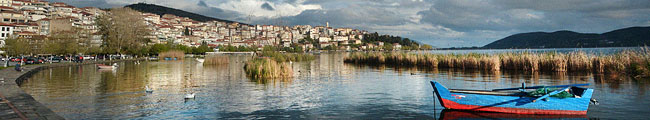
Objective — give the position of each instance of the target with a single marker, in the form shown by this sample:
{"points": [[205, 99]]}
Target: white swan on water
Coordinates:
{"points": [[189, 96], [147, 89]]}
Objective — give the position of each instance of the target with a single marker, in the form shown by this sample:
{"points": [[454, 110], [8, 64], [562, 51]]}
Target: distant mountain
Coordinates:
{"points": [[161, 10], [627, 37]]}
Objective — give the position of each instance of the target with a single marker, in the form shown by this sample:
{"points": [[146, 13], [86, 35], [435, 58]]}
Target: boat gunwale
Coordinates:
{"points": [[500, 93], [487, 92]]}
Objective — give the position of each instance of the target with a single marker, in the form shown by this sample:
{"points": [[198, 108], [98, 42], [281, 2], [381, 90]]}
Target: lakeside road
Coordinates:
{"points": [[16, 104]]}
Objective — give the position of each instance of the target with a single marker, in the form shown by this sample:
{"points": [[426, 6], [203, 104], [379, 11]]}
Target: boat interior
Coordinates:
{"points": [[577, 91]]}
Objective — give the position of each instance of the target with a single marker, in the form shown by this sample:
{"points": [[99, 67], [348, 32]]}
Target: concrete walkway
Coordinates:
{"points": [[15, 104]]}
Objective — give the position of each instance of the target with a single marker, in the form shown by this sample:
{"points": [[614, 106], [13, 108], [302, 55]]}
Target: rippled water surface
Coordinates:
{"points": [[325, 88]]}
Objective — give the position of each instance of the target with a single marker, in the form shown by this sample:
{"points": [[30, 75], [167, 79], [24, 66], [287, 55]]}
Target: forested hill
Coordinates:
{"points": [[375, 37], [161, 10], [627, 37]]}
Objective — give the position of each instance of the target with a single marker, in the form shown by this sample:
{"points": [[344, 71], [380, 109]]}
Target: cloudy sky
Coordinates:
{"points": [[441, 23]]}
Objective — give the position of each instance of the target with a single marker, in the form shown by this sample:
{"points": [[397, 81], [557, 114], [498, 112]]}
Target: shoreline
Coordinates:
{"points": [[16, 104]]}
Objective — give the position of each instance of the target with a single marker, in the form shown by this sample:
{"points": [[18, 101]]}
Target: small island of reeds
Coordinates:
{"points": [[272, 64], [216, 60], [171, 54], [264, 67], [633, 63]]}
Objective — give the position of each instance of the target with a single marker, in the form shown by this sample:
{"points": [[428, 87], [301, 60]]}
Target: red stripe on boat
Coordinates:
{"points": [[453, 105]]}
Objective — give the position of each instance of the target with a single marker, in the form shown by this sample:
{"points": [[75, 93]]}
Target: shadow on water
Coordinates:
{"points": [[271, 80], [336, 112]]}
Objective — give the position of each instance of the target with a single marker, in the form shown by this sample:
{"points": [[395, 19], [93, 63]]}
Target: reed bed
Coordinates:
{"points": [[172, 54], [285, 57], [216, 60], [261, 68], [634, 63]]}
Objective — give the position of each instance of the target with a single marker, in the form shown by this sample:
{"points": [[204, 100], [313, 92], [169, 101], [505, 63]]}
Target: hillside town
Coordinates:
{"points": [[36, 20], [182, 30]]}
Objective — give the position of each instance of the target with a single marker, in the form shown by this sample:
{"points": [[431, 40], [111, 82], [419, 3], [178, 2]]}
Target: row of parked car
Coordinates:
{"points": [[44, 59]]}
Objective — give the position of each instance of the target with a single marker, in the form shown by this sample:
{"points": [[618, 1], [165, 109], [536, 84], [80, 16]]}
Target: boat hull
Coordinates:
{"points": [[512, 104], [105, 67]]}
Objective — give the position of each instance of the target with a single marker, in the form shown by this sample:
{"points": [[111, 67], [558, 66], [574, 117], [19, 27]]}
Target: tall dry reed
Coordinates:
{"points": [[172, 54], [216, 60], [260, 68], [286, 57], [635, 63]]}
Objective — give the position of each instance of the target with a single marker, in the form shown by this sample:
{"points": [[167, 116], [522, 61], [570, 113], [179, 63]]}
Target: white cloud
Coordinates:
{"points": [[413, 29], [253, 7]]}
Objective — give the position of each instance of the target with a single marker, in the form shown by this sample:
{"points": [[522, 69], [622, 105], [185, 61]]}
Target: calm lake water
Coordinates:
{"points": [[325, 88]]}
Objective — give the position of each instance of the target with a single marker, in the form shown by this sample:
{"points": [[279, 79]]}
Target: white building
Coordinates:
{"points": [[6, 30], [324, 39], [6, 2], [340, 38]]}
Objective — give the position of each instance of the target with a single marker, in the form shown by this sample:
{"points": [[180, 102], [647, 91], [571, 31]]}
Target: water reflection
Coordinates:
{"points": [[324, 88], [464, 115]]}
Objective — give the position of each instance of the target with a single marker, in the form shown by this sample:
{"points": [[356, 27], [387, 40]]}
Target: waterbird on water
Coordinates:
{"points": [[147, 89], [189, 96]]}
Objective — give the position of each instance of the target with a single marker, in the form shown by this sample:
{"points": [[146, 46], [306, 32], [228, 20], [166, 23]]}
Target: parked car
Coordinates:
{"points": [[42, 60], [18, 59], [56, 59], [88, 57], [14, 59], [31, 61]]}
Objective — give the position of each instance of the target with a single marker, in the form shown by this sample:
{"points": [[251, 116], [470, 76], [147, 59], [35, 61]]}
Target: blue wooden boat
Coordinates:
{"points": [[516, 100]]}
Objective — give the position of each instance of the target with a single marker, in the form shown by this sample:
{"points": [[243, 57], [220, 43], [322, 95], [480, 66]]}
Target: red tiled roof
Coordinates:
{"points": [[6, 24], [14, 12], [25, 32], [5, 7]]}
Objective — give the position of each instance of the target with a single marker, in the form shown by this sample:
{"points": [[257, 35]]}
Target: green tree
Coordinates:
{"points": [[388, 47], [426, 47], [63, 43], [17, 46], [202, 49], [158, 48], [187, 32], [124, 31], [297, 48]]}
